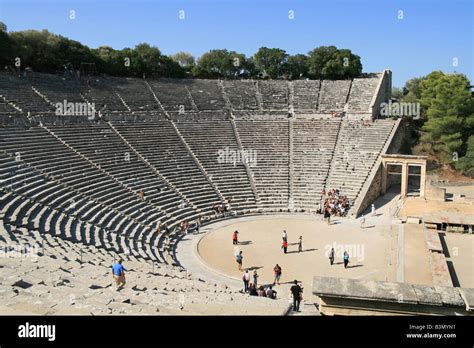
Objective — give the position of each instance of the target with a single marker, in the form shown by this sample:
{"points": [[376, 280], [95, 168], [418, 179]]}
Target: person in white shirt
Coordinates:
{"points": [[284, 236], [246, 279]]}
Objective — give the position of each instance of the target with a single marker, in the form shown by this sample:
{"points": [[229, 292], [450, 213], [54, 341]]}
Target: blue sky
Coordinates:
{"points": [[430, 36]]}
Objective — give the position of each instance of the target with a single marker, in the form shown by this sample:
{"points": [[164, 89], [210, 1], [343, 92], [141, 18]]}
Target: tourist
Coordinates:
{"points": [[373, 209], [297, 292], [362, 222], [300, 244], [255, 277], [284, 236], [261, 291], [277, 272], [227, 205], [327, 215], [239, 260], [235, 237], [271, 293], [236, 251], [284, 246], [346, 259], [118, 272], [183, 226], [331, 256], [142, 195], [167, 229], [246, 279], [197, 225], [319, 210], [253, 290], [335, 202]]}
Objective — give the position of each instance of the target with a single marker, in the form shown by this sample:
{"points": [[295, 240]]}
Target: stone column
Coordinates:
{"points": [[422, 180], [404, 189], [384, 177]]}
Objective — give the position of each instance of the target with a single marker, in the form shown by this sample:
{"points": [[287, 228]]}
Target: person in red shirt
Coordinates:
{"points": [[277, 272], [235, 238]]}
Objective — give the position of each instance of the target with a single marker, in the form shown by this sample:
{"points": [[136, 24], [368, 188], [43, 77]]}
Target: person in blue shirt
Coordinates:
{"points": [[346, 259], [118, 272]]}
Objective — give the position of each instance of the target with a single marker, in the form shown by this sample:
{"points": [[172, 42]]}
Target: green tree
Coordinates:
{"points": [[184, 59], [47, 52], [412, 90], [397, 93], [7, 46], [271, 61], [296, 66], [220, 63], [170, 68], [329, 62], [466, 163], [145, 59], [449, 107]]}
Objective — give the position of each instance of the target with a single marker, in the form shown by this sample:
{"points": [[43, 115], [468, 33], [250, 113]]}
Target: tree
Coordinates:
{"points": [[184, 59], [328, 62], [466, 163], [296, 66], [145, 59], [47, 52], [113, 62], [412, 90], [271, 61], [449, 107], [7, 46], [397, 93], [170, 68], [220, 63]]}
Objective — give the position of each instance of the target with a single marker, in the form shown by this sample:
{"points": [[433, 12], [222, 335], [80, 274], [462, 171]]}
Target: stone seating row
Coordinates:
{"points": [[269, 140], [362, 91], [313, 147], [164, 150], [63, 277], [37, 93], [355, 154], [49, 155], [215, 145]]}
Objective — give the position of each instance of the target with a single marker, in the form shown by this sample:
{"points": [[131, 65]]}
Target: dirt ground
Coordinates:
{"points": [[417, 262], [460, 251], [371, 250], [448, 174], [374, 251], [416, 207]]}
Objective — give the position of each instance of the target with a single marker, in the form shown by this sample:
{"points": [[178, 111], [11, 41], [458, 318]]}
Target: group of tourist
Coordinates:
{"points": [[345, 257], [267, 291], [186, 227], [333, 203], [262, 291], [222, 208], [284, 244], [254, 289]]}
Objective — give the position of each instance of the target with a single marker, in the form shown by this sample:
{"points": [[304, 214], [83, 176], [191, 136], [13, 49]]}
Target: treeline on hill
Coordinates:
{"points": [[446, 126], [43, 51]]}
